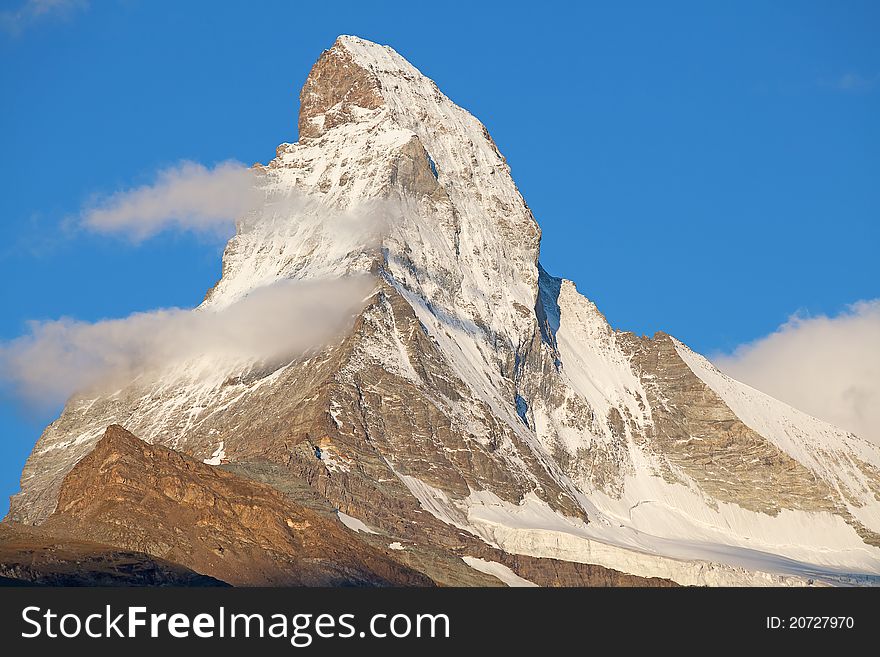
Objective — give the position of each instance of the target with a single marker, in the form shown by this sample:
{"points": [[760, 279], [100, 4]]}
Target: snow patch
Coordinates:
{"points": [[498, 570], [218, 456], [354, 524]]}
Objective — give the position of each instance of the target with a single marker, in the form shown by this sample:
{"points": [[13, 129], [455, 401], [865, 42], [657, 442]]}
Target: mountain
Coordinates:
{"points": [[476, 410]]}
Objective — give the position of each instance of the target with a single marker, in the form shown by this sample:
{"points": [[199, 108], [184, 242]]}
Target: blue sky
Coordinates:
{"points": [[704, 168]]}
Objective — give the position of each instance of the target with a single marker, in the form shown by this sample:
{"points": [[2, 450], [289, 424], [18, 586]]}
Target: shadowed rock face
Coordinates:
{"points": [[473, 390], [702, 437], [698, 433], [29, 556], [153, 500]]}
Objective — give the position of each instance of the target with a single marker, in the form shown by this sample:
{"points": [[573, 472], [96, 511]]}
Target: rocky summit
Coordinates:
{"points": [[477, 423]]}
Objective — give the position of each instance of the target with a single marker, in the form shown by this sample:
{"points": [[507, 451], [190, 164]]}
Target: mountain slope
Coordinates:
{"points": [[476, 399]]}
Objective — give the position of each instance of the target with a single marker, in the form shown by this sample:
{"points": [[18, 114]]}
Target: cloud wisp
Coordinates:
{"points": [[215, 201], [856, 82], [828, 367], [16, 21], [188, 196], [272, 325], [851, 82]]}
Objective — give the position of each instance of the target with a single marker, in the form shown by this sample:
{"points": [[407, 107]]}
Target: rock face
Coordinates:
{"points": [[153, 500], [31, 557], [479, 403]]}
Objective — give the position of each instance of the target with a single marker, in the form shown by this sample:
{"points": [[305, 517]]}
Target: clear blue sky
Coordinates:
{"points": [[704, 168]]}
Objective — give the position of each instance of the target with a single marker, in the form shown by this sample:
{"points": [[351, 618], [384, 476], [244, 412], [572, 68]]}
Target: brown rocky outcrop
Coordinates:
{"points": [[153, 500], [335, 84]]}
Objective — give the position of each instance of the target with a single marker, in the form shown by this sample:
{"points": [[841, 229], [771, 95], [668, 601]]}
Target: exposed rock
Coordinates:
{"points": [[335, 89], [700, 436], [554, 572], [160, 502]]}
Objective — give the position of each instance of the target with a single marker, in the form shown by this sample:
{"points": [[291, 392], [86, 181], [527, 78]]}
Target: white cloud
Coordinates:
{"points": [[188, 196], [828, 367], [15, 21], [271, 325]]}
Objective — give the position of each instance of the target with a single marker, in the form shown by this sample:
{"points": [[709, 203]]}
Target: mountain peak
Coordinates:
{"points": [[355, 75], [337, 83], [374, 131]]}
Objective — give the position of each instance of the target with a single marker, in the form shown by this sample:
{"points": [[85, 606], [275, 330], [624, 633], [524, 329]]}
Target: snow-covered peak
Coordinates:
{"points": [[424, 195], [369, 52]]}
